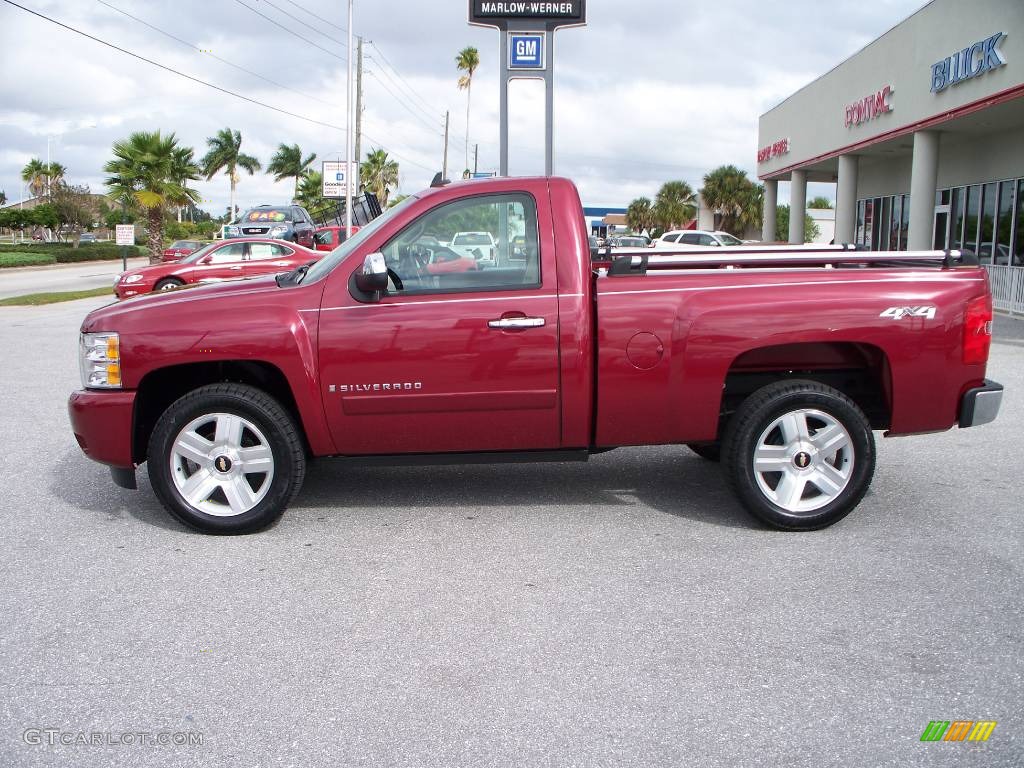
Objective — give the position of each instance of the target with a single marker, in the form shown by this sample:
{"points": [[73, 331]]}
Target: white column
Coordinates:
{"points": [[797, 205], [771, 200], [924, 175], [846, 200]]}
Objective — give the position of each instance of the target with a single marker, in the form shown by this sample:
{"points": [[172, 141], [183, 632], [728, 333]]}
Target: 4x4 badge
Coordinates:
{"points": [[898, 313]]}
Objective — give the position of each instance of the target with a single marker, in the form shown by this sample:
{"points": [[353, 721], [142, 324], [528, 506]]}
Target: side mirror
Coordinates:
{"points": [[206, 259], [373, 277]]}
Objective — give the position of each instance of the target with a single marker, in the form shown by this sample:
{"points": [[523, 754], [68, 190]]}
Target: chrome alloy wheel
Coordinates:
{"points": [[803, 460], [221, 464]]}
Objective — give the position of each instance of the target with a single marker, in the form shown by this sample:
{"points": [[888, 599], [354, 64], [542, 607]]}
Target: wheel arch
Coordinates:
{"points": [[162, 386], [859, 370]]}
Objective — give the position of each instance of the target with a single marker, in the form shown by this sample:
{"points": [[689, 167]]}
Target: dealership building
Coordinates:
{"points": [[922, 131]]}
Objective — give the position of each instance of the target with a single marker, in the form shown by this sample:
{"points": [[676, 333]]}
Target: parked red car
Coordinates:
{"points": [[329, 238], [179, 249], [241, 257]]}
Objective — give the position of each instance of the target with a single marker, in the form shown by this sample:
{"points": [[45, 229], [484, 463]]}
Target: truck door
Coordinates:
{"points": [[453, 361]]}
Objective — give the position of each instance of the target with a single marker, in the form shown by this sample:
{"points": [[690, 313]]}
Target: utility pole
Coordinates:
{"points": [[359, 100], [348, 131], [476, 157], [444, 162]]}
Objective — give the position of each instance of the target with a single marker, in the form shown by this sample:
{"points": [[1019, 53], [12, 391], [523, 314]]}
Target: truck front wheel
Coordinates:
{"points": [[226, 458], [799, 455]]}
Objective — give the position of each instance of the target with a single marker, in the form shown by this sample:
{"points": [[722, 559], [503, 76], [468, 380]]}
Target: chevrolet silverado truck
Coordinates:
{"points": [[779, 362]]}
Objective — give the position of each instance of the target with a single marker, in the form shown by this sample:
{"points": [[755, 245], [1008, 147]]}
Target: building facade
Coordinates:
{"points": [[922, 131]]}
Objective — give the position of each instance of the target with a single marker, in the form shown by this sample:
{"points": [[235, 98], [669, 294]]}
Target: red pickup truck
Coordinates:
{"points": [[779, 361]]}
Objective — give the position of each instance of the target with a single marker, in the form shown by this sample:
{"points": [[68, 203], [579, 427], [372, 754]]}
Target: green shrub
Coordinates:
{"points": [[65, 254], [16, 259]]}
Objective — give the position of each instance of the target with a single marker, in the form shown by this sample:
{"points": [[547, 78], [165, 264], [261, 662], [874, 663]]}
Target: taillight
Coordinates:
{"points": [[978, 330]]}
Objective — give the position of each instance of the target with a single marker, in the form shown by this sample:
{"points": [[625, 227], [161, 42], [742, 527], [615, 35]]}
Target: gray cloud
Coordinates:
{"points": [[647, 92]]}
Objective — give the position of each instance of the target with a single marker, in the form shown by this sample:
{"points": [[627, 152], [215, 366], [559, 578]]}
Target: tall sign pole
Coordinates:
{"points": [[348, 132], [527, 49]]}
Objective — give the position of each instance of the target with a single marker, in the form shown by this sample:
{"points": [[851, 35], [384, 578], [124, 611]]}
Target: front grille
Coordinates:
{"points": [[254, 230]]}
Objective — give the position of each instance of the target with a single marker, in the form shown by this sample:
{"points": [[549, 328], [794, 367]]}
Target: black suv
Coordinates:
{"points": [[282, 222]]}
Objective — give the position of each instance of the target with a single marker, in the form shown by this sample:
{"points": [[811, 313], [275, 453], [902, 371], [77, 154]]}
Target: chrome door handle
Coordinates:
{"points": [[234, 267], [507, 323]]}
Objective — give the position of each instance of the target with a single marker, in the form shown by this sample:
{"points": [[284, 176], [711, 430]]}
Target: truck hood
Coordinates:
{"points": [[186, 299]]}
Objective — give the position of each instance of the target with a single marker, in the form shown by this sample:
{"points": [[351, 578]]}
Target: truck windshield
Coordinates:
{"points": [[339, 254]]}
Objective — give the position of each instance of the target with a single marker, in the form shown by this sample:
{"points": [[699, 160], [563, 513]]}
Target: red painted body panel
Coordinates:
{"points": [[102, 423], [619, 360]]}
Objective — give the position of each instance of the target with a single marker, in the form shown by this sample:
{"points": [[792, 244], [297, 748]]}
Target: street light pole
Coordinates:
{"points": [[348, 132]]}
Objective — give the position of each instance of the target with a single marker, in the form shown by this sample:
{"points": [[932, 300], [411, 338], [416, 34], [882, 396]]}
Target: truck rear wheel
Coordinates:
{"points": [[226, 458], [799, 455]]}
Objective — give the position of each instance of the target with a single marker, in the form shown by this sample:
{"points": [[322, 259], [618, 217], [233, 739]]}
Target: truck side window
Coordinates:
{"points": [[480, 243]]}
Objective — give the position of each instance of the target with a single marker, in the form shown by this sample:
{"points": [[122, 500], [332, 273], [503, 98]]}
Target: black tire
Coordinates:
{"points": [[168, 283], [274, 424], [759, 412], [709, 451]]}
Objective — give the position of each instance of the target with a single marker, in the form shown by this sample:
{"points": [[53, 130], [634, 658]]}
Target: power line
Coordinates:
{"points": [[204, 82], [433, 128], [430, 115], [409, 87], [279, 9], [321, 18], [286, 29], [195, 47], [172, 70]]}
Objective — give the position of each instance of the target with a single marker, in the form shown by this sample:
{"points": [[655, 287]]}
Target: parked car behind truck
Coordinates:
{"points": [[784, 365]]}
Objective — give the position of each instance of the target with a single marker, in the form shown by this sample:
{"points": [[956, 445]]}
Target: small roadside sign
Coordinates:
{"points": [[335, 173], [124, 234]]}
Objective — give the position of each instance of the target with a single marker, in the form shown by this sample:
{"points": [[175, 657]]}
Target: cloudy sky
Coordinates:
{"points": [[648, 91]]}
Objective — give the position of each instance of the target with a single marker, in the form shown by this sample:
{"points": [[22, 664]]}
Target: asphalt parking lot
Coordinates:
{"points": [[621, 612]]}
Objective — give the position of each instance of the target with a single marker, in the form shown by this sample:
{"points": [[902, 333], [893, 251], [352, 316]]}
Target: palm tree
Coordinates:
{"points": [[146, 172], [183, 170], [34, 174], [640, 214], [378, 174], [226, 154], [3, 197], [730, 194], [674, 205], [287, 163], [55, 173], [467, 61], [310, 190]]}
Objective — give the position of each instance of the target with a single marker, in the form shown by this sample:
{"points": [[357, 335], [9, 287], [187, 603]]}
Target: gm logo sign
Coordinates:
{"points": [[526, 50]]}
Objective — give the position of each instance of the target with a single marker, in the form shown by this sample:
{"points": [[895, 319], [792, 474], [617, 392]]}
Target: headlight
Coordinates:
{"points": [[132, 279], [99, 360], [278, 231]]}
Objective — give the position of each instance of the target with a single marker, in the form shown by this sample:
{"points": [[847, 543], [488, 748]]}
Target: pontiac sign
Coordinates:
{"points": [[870, 107]]}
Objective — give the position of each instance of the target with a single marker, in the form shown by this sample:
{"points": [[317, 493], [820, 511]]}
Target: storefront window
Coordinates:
{"points": [[859, 236], [972, 206], [956, 232], [869, 215], [883, 224], [986, 227], [904, 222], [1018, 249], [1004, 224], [894, 227]]}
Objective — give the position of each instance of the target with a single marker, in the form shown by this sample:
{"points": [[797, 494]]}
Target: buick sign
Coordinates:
{"points": [[970, 62]]}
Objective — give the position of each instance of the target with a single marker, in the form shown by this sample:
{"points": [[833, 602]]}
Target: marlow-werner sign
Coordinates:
{"points": [[487, 11]]}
